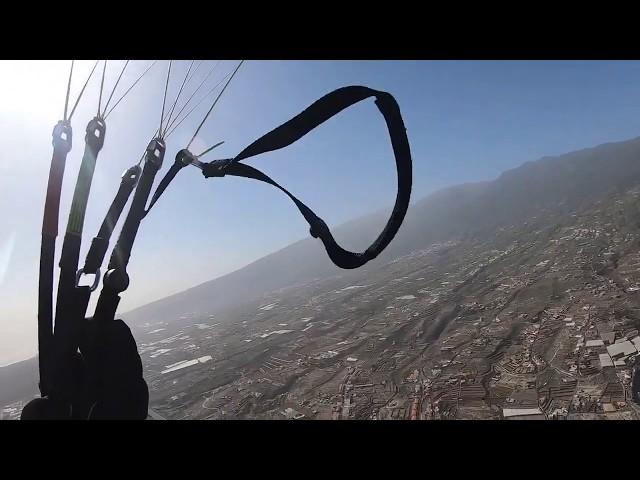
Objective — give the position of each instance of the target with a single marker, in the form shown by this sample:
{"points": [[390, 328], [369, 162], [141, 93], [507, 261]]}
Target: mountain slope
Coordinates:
{"points": [[560, 184], [18, 381]]}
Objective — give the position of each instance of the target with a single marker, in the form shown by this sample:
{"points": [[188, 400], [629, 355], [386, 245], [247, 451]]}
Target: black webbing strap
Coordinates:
{"points": [[296, 128], [291, 131], [62, 140], [100, 242], [64, 330], [116, 279], [164, 183]]}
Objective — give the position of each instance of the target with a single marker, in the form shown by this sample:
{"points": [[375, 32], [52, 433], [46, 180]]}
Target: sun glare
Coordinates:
{"points": [[35, 89]]}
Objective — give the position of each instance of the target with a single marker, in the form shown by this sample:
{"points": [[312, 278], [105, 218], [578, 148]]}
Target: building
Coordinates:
{"points": [[605, 360], [523, 414], [290, 414], [621, 349], [608, 337]]}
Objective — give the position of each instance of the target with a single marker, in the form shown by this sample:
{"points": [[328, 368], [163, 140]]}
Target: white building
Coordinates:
{"points": [[523, 414], [605, 360], [622, 349]]}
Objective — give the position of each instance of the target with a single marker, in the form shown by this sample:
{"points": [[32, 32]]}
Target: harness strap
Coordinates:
{"points": [[100, 242], [116, 280], [291, 131], [62, 140], [296, 128], [65, 324]]}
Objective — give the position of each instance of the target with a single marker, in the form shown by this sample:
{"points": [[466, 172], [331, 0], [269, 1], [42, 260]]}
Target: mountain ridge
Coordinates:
{"points": [[552, 184], [563, 181]]}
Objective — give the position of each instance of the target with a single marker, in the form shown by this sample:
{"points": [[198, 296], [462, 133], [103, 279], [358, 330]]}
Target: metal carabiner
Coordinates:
{"points": [[96, 280]]}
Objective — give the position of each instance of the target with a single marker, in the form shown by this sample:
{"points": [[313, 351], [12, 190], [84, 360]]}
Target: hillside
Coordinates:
{"points": [[557, 184]]}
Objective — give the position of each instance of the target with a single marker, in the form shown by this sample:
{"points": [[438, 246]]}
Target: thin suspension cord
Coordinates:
{"points": [[200, 62], [214, 104], [209, 149], [114, 87], [130, 88], [104, 70], [193, 94], [82, 91], [199, 103], [66, 101], [166, 87], [186, 77]]}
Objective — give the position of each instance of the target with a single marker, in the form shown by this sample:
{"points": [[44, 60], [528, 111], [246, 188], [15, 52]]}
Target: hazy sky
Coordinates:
{"points": [[466, 121]]}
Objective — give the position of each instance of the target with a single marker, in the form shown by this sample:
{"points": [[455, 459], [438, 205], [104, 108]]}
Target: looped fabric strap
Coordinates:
{"points": [[296, 128]]}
